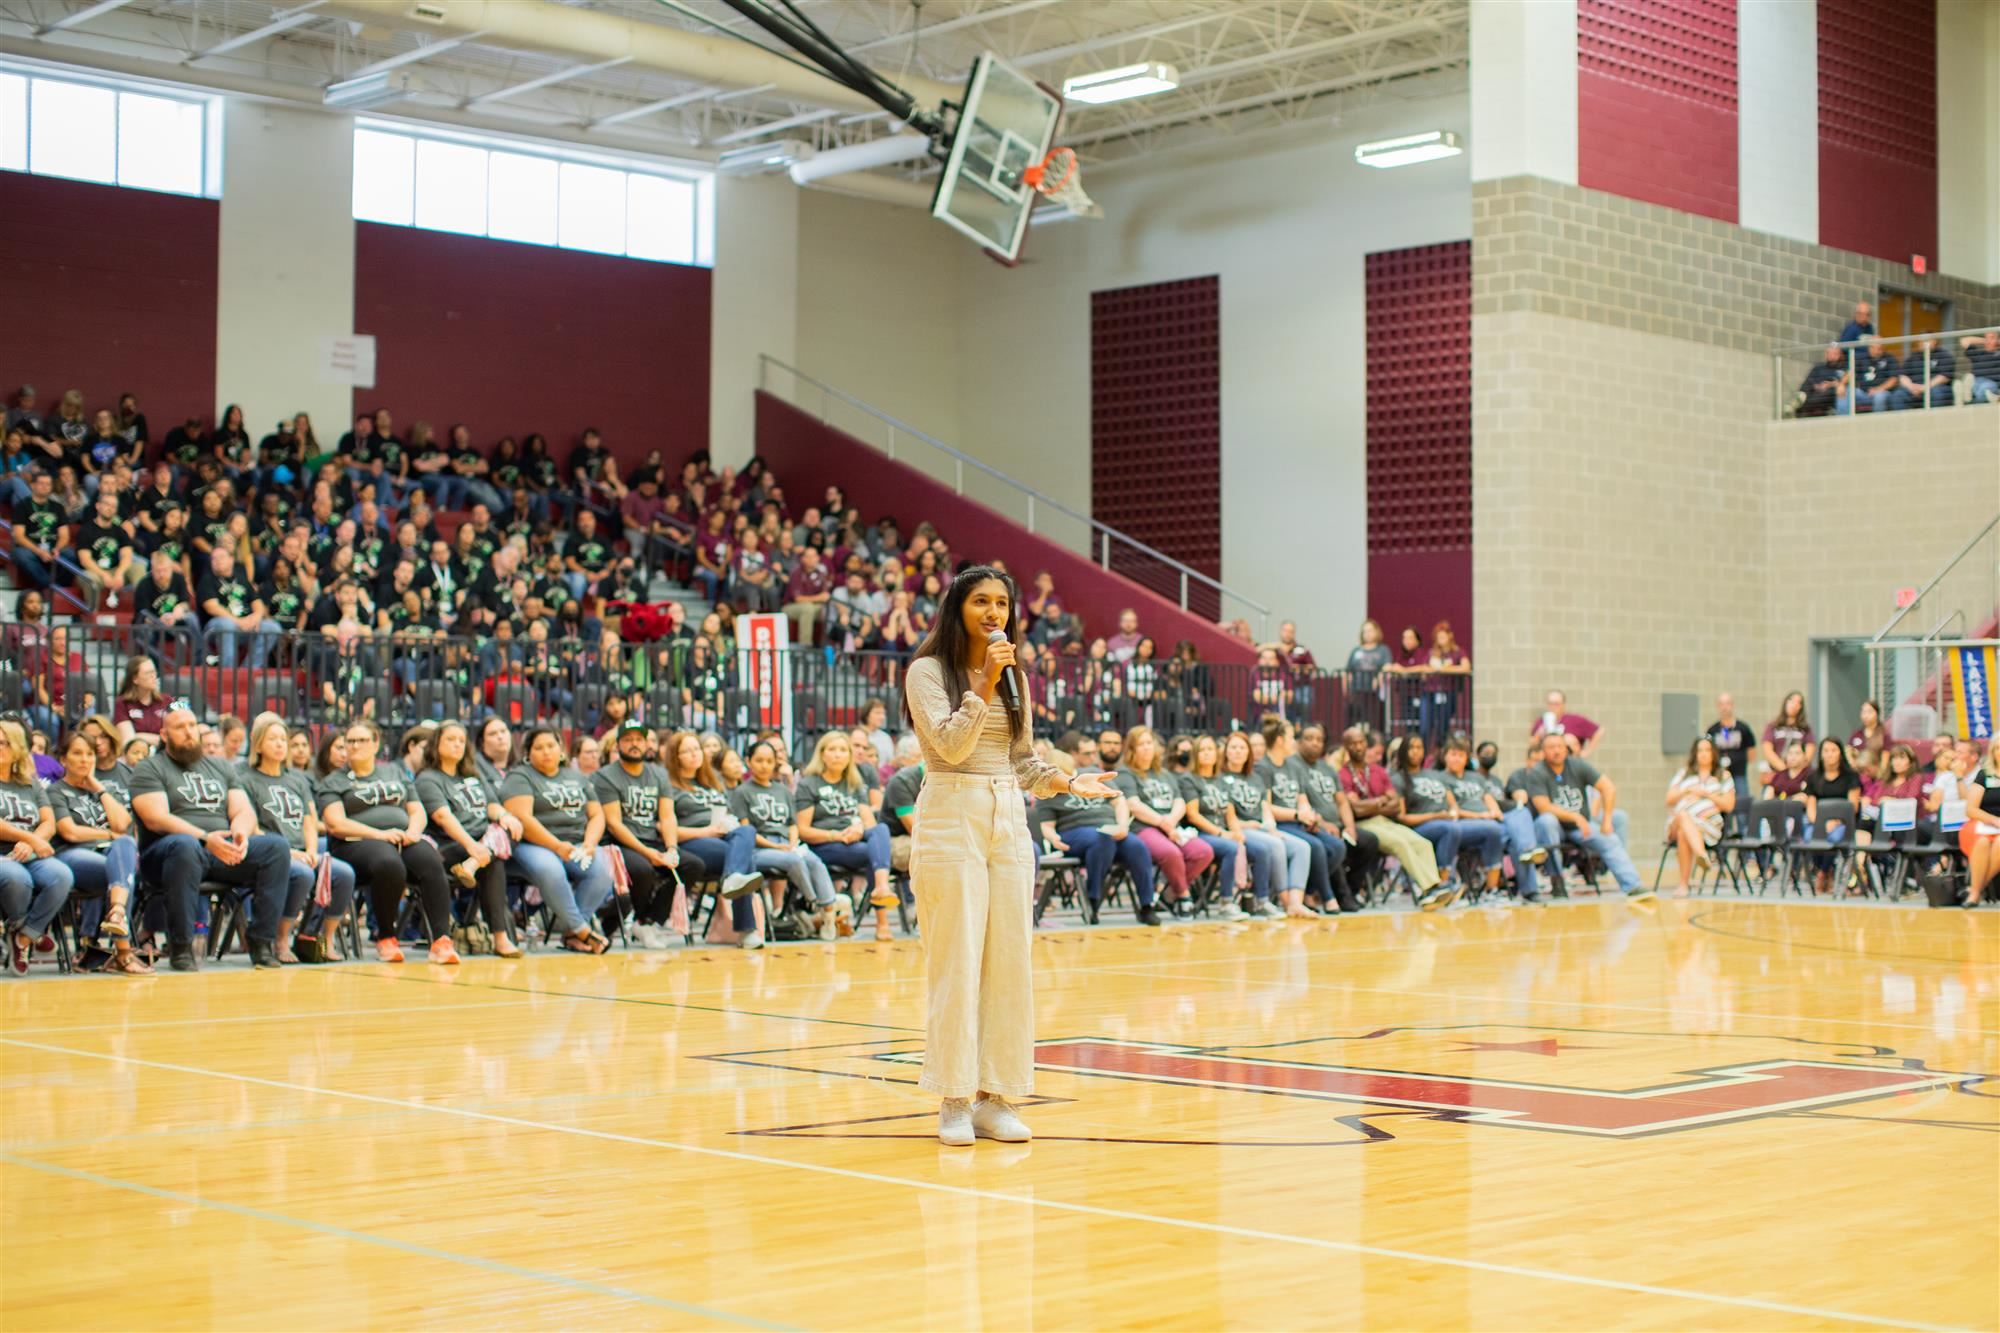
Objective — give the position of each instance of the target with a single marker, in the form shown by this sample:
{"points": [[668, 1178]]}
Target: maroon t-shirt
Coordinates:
{"points": [[1569, 724], [145, 718], [1369, 786]]}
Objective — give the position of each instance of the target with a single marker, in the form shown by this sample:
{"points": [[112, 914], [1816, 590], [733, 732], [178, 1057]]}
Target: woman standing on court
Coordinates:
{"points": [[971, 863]]}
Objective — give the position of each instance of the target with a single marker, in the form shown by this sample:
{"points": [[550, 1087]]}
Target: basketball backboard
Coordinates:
{"points": [[1006, 126]]}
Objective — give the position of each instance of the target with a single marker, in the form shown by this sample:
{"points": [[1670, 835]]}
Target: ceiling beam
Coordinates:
{"points": [[1256, 100], [283, 21], [952, 25], [410, 57], [789, 122], [84, 15], [664, 104], [1286, 55], [1055, 53], [547, 80]]}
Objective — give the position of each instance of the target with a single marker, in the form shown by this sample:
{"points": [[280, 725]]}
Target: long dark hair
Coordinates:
{"points": [[948, 640]]}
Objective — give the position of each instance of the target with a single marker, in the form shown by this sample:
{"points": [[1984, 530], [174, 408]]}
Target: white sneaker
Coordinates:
{"points": [[754, 940], [1267, 908], [652, 937], [955, 1128], [735, 886], [993, 1118], [1229, 912]]}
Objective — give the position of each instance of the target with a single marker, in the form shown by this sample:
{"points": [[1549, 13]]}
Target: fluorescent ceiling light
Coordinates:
{"points": [[370, 90], [1116, 85], [1410, 148], [755, 158]]}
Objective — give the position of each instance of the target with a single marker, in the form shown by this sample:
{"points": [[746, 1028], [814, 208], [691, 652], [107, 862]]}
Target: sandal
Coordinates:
{"points": [[884, 898], [115, 923], [126, 963], [584, 941]]}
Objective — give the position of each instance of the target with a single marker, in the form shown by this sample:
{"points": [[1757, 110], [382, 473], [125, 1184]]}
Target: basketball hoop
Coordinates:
{"points": [[1058, 179]]}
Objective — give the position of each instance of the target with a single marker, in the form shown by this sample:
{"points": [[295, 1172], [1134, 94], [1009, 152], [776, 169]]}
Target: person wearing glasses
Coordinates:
{"points": [[465, 811], [196, 823], [561, 847], [34, 885], [375, 823]]}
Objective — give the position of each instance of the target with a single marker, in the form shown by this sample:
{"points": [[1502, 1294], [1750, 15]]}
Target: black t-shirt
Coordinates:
{"points": [[591, 552], [149, 598], [232, 592], [103, 540], [1735, 745], [42, 520], [1823, 788], [284, 604]]}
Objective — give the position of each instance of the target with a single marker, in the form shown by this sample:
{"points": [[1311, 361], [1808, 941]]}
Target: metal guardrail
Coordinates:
{"points": [[1791, 362], [66, 671], [1113, 550]]}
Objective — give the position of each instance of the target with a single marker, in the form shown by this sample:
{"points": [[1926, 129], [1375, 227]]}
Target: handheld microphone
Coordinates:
{"points": [[1009, 689]]}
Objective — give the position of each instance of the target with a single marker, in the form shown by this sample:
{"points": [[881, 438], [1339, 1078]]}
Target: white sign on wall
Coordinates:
{"points": [[348, 360]]}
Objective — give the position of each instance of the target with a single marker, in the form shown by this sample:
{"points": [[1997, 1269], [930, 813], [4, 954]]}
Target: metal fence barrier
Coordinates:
{"points": [[62, 673]]}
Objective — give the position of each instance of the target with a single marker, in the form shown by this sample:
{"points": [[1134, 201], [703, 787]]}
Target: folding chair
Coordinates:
{"points": [[1830, 836]]}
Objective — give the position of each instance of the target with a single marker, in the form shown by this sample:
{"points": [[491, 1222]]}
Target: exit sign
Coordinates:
{"points": [[1905, 597], [1919, 264]]}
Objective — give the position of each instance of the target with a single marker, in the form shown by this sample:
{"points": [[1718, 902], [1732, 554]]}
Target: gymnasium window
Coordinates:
{"points": [[138, 136], [510, 192]]}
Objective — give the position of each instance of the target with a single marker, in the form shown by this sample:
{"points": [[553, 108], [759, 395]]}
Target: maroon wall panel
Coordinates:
{"points": [[1878, 167], [1656, 102], [109, 291], [808, 456], [517, 338], [1420, 437], [1156, 425]]}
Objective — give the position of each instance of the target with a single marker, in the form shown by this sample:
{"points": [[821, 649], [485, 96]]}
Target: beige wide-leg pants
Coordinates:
{"points": [[1407, 845], [973, 870]]}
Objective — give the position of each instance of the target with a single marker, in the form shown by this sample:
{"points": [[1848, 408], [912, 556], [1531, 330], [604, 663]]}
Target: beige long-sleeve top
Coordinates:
{"points": [[972, 736]]}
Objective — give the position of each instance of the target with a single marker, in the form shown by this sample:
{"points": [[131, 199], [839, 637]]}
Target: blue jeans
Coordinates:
{"points": [[30, 570], [870, 854], [95, 869], [1606, 847], [737, 855], [1327, 872], [1225, 850], [227, 640], [1097, 849], [1878, 401], [571, 892], [1940, 396], [807, 873], [31, 895], [486, 493], [178, 863], [1986, 391], [1268, 853], [299, 881], [1443, 835], [1518, 824], [1434, 709], [1486, 837]]}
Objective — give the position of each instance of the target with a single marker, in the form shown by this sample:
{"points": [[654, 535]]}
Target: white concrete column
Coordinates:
{"points": [[1524, 89], [286, 263], [1968, 45], [1777, 123], [754, 303]]}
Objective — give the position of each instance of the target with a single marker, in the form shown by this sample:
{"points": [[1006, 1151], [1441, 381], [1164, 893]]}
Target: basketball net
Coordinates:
{"points": [[1059, 179]]}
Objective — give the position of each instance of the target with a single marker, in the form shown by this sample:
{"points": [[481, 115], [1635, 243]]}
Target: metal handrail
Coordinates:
{"points": [[1936, 579], [56, 590], [1782, 349], [1105, 533], [1783, 393]]}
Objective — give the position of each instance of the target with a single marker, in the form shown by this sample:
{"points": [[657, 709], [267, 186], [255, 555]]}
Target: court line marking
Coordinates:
{"points": [[1030, 1201], [308, 1016], [500, 1266], [1150, 969]]}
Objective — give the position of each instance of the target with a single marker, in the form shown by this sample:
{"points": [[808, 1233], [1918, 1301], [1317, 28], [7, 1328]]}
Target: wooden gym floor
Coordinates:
{"points": [[1717, 1114]]}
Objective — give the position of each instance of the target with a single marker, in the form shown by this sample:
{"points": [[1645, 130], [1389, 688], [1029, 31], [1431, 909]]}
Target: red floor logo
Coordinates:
{"points": [[1697, 1098]]}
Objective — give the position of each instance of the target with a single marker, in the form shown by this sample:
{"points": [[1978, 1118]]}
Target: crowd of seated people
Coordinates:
{"points": [[1861, 372]]}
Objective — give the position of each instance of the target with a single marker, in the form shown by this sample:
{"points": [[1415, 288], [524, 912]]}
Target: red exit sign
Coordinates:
{"points": [[1919, 264], [1905, 597]]}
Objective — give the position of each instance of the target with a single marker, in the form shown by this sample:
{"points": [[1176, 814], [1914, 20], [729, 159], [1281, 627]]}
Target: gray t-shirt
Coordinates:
{"points": [[834, 806], [1247, 794], [466, 796], [197, 793], [379, 801], [561, 802], [766, 809], [1321, 784], [1282, 781], [281, 802], [117, 780], [74, 804], [1423, 792], [1569, 789], [1208, 796], [1157, 790], [637, 798], [1071, 812], [697, 807], [1471, 788], [22, 803], [899, 798]]}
